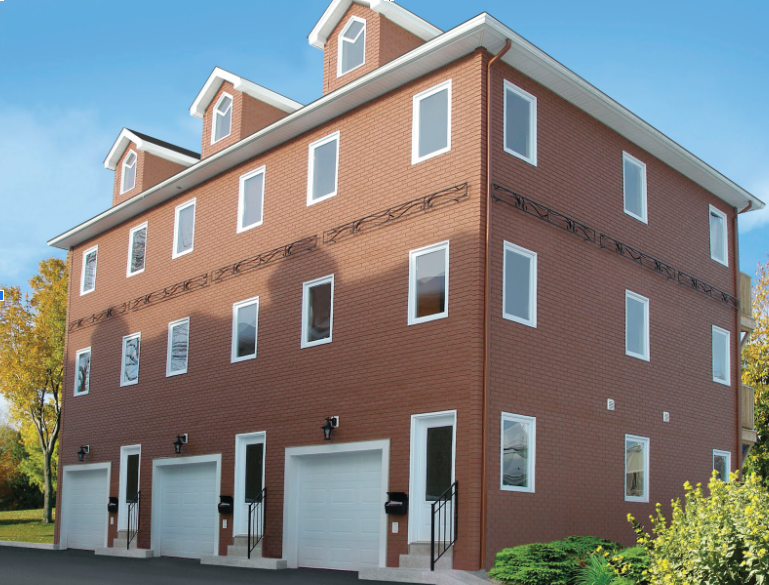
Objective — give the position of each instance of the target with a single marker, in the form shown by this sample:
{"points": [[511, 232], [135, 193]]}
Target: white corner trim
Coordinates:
{"points": [[127, 137]]}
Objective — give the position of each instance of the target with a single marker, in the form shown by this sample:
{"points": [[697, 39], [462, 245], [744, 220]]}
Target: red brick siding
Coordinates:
{"points": [[150, 170], [207, 149], [257, 115]]}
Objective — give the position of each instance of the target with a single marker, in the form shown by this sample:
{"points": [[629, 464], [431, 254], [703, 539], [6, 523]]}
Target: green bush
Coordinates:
{"points": [[597, 571], [633, 564]]}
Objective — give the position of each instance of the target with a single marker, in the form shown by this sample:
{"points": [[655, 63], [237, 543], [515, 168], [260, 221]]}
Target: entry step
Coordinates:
{"points": [[437, 577], [255, 562]]}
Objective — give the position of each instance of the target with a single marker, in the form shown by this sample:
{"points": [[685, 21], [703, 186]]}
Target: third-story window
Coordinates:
{"points": [[520, 123], [88, 276], [722, 464], [245, 325], [636, 326], [519, 285], [128, 180], [428, 283], [317, 311], [129, 370], [251, 200], [518, 452], [137, 249], [719, 249], [721, 355], [352, 46], [178, 347], [222, 119], [83, 371], [636, 469], [634, 186], [323, 169], [431, 123], [184, 229]]}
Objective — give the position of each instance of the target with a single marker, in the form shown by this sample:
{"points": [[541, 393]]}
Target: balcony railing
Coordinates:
{"points": [[747, 323], [748, 415]]}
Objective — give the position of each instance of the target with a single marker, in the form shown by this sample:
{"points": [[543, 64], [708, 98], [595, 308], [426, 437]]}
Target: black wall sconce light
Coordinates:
{"points": [[83, 451], [332, 422], [180, 440]]}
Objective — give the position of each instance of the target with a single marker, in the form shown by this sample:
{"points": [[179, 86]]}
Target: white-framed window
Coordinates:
{"points": [[352, 46], [222, 118], [317, 311], [178, 347], [722, 464], [245, 326], [83, 371], [431, 123], [636, 469], [129, 369], [88, 274], [721, 356], [428, 283], [519, 285], [719, 242], [520, 123], [128, 175], [251, 200], [137, 250], [518, 453], [636, 326], [184, 228], [634, 187], [323, 169]]}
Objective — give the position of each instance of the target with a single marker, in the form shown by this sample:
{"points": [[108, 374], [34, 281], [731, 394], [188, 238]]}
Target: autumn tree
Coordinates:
{"points": [[32, 361]]}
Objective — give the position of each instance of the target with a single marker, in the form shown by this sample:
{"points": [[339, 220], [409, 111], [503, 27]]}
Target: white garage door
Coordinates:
{"points": [[340, 509], [86, 499], [188, 510]]}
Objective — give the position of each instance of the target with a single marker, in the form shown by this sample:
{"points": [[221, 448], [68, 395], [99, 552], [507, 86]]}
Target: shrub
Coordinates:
{"points": [[597, 571]]}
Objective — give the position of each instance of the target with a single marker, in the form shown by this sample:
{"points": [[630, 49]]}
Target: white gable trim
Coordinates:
{"points": [[126, 137], [219, 76], [390, 10]]}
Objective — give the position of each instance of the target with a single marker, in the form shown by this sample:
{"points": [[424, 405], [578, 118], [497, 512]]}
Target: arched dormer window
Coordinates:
{"points": [[222, 122], [128, 178], [352, 46]]}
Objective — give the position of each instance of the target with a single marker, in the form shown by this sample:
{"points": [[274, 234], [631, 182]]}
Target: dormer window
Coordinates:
{"points": [[128, 180], [222, 118], [352, 46]]}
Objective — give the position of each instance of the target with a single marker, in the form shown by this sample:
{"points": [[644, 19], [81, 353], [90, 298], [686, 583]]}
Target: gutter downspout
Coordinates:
{"points": [[738, 344], [486, 301]]}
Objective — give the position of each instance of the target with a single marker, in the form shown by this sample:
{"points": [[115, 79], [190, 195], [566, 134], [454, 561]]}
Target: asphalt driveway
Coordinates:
{"points": [[19, 566]]}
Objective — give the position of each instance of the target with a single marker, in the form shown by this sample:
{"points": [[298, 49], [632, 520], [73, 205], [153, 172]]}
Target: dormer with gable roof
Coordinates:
{"points": [[141, 162], [232, 108], [358, 36]]}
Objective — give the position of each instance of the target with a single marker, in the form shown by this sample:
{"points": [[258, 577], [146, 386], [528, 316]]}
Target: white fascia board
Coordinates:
{"points": [[127, 137], [219, 75], [390, 10]]}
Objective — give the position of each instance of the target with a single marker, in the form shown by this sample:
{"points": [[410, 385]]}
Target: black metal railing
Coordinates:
{"points": [[443, 524], [133, 520], [256, 521]]}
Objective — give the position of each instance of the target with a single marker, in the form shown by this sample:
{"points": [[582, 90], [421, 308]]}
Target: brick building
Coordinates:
{"points": [[580, 363]]}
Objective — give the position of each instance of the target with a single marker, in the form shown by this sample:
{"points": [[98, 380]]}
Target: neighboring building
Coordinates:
{"points": [[330, 260]]}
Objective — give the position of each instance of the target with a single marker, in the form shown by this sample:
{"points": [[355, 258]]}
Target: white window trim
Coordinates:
{"points": [[340, 46], [77, 362], [131, 233], [126, 166], [636, 297], [179, 208], [171, 326], [82, 271], [643, 218], [532, 123], [239, 526], [234, 346], [415, 158], [311, 168], [728, 368], [645, 497], [728, 455], [214, 117], [126, 338], [242, 196], [722, 215], [531, 463], [412, 303], [306, 286], [532, 321]]}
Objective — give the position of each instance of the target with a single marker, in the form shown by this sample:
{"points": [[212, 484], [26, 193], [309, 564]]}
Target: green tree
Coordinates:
{"points": [[16, 491], [32, 361]]}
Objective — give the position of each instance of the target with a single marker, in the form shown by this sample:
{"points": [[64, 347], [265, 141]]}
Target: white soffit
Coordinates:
{"points": [[390, 10], [214, 82], [126, 137]]}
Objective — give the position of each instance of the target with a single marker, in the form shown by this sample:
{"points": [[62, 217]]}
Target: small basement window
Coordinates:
{"points": [[178, 347], [520, 123], [251, 200], [184, 229], [82, 371], [431, 123], [428, 283], [137, 249], [721, 357], [317, 311], [129, 373], [222, 118], [245, 324], [634, 187], [719, 247], [352, 46], [722, 464], [518, 452], [128, 178], [323, 169], [88, 275]]}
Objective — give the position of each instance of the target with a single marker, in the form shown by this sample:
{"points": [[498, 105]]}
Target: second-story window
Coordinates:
{"points": [[721, 357], [222, 118], [128, 179], [251, 200], [178, 347], [519, 285], [431, 123], [245, 324], [719, 249], [82, 371], [317, 311], [352, 46], [137, 248], [184, 229], [520, 123], [636, 326], [428, 283], [88, 276], [634, 187], [323, 169], [129, 370]]}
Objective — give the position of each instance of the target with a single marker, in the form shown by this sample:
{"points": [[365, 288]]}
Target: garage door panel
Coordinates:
{"points": [[86, 496]]}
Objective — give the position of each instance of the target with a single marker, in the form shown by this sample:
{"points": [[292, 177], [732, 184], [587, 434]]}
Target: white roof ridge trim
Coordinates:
{"points": [[126, 137]]}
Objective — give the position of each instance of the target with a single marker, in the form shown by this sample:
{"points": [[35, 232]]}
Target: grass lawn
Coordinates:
{"points": [[25, 526]]}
